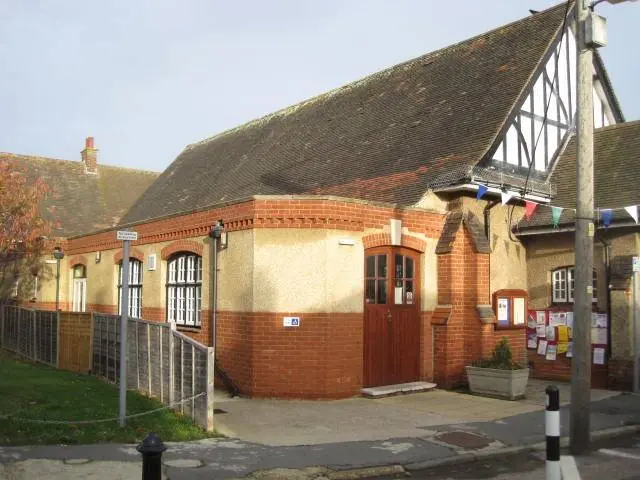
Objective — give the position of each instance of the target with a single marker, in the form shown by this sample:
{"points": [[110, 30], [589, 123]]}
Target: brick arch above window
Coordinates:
{"points": [[78, 260], [133, 253], [384, 239], [181, 246]]}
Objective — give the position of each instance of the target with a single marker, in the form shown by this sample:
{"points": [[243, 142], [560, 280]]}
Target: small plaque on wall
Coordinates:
{"points": [[291, 321]]}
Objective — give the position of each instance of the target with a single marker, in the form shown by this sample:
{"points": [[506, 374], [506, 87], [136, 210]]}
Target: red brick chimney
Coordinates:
{"points": [[90, 156]]}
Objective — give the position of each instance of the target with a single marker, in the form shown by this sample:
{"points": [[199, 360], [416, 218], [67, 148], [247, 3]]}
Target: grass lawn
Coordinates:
{"points": [[30, 390]]}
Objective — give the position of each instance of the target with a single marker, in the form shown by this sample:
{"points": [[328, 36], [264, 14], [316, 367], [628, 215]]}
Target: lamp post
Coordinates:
{"points": [[58, 254], [215, 234], [591, 34]]}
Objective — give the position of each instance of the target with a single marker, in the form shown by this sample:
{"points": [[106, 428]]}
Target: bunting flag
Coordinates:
{"points": [[506, 196], [555, 213], [605, 214], [529, 208], [633, 211]]}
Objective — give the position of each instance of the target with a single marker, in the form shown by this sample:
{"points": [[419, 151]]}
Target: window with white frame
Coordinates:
{"points": [[184, 289], [562, 285], [135, 288]]}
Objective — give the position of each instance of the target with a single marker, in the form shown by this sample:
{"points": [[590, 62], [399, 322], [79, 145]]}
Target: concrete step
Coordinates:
{"points": [[400, 388]]}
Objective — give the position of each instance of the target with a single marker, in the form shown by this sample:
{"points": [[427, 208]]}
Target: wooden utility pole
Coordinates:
{"points": [[583, 273]]}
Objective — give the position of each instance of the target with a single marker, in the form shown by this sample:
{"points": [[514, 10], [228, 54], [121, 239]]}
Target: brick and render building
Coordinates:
{"points": [[83, 196], [356, 212], [551, 257]]}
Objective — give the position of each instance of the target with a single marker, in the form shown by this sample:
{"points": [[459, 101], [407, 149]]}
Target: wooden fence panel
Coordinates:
{"points": [[75, 341]]}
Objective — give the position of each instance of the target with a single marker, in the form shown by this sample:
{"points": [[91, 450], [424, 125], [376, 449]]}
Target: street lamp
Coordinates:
{"points": [[58, 254], [217, 234]]}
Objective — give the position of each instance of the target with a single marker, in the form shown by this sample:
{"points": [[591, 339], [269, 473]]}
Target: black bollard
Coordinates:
{"points": [[151, 449], [552, 432]]}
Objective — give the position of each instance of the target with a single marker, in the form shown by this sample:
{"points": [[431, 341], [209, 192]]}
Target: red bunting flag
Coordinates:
{"points": [[529, 208]]}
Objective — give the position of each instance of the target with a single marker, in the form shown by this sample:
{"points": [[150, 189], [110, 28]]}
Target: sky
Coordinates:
{"points": [[148, 77]]}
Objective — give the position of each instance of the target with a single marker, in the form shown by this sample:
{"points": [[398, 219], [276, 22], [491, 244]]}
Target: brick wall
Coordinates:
{"points": [[461, 275], [560, 369], [101, 308], [290, 212], [517, 338], [463, 283], [155, 314], [320, 359], [620, 374], [426, 348]]}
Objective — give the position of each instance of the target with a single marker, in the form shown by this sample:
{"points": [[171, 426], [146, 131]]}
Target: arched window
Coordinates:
{"points": [[562, 285], [184, 289], [135, 288]]}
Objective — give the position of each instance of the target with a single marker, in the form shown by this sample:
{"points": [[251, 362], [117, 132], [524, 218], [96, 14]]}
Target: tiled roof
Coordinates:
{"points": [[616, 167], [387, 137], [79, 202]]}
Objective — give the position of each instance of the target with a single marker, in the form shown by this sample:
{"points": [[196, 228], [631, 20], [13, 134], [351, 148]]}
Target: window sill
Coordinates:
{"points": [[182, 328]]}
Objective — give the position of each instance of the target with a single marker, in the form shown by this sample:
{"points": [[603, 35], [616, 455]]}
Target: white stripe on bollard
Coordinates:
{"points": [[554, 472], [552, 423]]}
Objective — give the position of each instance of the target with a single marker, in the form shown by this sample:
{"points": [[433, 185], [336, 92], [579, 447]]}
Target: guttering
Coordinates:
{"points": [[472, 187], [547, 230]]}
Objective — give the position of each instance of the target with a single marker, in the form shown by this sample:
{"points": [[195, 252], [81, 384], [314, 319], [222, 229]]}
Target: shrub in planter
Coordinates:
{"points": [[498, 376]]}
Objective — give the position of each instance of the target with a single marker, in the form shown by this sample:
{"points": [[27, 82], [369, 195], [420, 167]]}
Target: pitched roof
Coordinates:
{"points": [[615, 169], [386, 137], [78, 202]]}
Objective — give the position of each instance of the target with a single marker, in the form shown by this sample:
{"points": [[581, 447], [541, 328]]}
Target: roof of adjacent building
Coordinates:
{"points": [[388, 137], [616, 166], [80, 202]]}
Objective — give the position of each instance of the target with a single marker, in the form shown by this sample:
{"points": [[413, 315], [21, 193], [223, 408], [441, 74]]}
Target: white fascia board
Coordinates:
{"points": [[472, 187]]}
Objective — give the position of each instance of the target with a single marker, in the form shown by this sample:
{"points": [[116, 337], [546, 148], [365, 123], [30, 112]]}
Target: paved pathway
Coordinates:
{"points": [[298, 422], [233, 458]]}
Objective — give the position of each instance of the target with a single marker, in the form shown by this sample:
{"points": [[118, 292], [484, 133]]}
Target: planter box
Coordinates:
{"points": [[510, 384]]}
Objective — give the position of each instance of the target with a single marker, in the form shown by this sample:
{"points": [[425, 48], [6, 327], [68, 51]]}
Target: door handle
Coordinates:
{"points": [[389, 316]]}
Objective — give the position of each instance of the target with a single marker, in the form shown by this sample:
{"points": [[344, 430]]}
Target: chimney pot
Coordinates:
{"points": [[90, 156]]}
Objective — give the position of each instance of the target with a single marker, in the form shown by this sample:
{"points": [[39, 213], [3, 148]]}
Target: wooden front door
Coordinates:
{"points": [[391, 316]]}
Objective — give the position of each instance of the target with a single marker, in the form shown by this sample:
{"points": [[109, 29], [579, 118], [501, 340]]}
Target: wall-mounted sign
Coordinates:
{"points": [[126, 235], [290, 321]]}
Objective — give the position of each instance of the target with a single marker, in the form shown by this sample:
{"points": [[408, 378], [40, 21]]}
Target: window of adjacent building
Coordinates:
{"points": [[562, 285], [184, 289], [79, 300], [135, 288]]}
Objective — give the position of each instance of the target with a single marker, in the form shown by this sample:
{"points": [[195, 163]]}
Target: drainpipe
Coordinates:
{"points": [[487, 218], [607, 269], [215, 234]]}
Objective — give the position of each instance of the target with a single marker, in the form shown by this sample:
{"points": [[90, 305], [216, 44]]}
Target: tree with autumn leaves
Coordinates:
{"points": [[23, 230]]}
